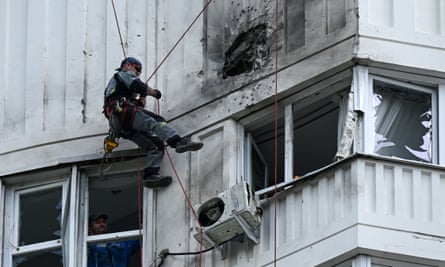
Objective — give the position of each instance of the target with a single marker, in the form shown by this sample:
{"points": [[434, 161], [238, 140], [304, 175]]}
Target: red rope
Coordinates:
{"points": [[169, 157], [118, 29], [188, 202], [159, 112], [276, 134], [178, 41]]}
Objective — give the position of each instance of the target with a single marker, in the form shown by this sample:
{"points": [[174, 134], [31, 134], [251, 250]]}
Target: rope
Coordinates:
{"points": [[276, 134], [189, 203], [118, 29], [168, 154], [159, 111], [179, 40]]}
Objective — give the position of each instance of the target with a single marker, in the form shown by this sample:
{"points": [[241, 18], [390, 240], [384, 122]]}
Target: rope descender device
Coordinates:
{"points": [[110, 143]]}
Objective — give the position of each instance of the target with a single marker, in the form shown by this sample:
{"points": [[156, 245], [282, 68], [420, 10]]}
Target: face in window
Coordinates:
{"points": [[402, 122], [97, 224]]}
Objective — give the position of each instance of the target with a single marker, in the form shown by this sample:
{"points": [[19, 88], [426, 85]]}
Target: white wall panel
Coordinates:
{"points": [[403, 32], [428, 16], [371, 204], [75, 40], [381, 12], [59, 55]]}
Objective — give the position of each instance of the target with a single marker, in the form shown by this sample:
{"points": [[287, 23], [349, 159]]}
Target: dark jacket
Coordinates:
{"points": [[115, 254]]}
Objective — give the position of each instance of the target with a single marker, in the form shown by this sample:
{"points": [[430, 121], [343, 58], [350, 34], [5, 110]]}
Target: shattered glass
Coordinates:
{"points": [[403, 122]]}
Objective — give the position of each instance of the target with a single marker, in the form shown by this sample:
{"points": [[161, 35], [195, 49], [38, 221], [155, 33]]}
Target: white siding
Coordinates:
{"points": [[364, 203], [403, 32]]}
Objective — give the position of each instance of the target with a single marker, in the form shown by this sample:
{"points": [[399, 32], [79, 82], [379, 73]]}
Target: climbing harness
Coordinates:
{"points": [[131, 111]]}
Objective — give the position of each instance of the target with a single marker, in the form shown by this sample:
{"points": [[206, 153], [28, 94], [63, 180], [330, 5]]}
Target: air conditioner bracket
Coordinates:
{"points": [[250, 233]]}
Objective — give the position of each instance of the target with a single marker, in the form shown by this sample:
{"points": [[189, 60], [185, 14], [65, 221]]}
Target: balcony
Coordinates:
{"points": [[361, 205]]}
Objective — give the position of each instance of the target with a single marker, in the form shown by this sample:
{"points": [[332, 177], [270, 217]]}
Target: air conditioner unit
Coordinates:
{"points": [[231, 213]]}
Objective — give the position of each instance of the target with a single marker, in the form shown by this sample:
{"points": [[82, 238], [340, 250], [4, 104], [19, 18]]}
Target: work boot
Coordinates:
{"points": [[156, 180], [184, 145]]}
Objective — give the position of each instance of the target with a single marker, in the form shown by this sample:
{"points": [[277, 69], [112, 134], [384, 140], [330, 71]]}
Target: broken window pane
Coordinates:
{"points": [[40, 213], [403, 125], [39, 259], [117, 197]]}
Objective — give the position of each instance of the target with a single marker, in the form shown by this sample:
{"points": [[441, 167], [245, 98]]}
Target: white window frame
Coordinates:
{"points": [[85, 239], [369, 120], [12, 198], [304, 96]]}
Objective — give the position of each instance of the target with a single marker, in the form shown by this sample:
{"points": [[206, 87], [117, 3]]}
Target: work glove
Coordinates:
{"points": [[156, 93]]}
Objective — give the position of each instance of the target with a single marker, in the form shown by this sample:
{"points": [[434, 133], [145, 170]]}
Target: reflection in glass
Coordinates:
{"points": [[40, 213], [117, 196], [403, 124], [42, 258]]}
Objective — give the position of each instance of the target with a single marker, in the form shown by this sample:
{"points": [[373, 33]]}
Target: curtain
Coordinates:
{"points": [[347, 123], [402, 122]]}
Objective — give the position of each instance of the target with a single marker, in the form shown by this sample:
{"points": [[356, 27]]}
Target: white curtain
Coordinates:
{"points": [[347, 123], [402, 122]]}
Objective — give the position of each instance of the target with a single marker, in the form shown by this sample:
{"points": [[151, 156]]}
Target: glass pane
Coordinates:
{"points": [[116, 196], [315, 135], [43, 258], [259, 169], [40, 214], [263, 155], [403, 125], [115, 254]]}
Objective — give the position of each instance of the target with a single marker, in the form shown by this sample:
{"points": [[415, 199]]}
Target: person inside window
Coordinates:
{"points": [[114, 254]]}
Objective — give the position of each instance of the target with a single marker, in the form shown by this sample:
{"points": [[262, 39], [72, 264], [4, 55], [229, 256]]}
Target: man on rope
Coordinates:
{"points": [[124, 102]]}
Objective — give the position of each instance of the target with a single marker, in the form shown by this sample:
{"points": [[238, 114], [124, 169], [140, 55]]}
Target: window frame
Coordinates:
{"points": [[360, 78], [117, 168], [325, 87], [369, 123], [12, 247]]}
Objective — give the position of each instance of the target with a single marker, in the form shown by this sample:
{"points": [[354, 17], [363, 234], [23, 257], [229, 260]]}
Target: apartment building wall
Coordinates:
{"points": [[57, 58]]}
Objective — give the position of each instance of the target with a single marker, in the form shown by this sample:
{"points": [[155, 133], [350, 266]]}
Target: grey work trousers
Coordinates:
{"points": [[149, 132]]}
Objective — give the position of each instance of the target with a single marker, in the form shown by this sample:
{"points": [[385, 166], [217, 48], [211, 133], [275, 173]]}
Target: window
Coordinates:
{"points": [[115, 196], [261, 146], [33, 229], [313, 127], [46, 216], [403, 120], [315, 134]]}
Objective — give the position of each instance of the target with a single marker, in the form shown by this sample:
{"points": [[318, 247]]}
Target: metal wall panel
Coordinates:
{"points": [[58, 55], [403, 32], [372, 204]]}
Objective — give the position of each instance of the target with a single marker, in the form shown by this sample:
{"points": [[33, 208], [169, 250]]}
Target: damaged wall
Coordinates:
{"points": [[57, 61], [239, 52]]}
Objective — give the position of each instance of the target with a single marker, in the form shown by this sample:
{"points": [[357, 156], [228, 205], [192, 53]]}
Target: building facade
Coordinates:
{"points": [[330, 111]]}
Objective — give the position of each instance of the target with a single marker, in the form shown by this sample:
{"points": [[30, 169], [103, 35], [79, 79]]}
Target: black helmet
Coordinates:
{"points": [[132, 60], [96, 216]]}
